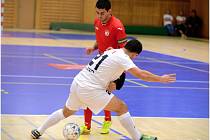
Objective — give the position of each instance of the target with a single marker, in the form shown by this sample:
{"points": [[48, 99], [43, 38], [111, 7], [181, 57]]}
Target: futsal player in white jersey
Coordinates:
{"points": [[89, 88]]}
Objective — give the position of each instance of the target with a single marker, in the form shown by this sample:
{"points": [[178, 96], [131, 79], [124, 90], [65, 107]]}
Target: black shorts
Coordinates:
{"points": [[120, 81]]}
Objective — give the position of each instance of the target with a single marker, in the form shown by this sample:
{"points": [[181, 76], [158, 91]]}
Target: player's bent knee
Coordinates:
{"points": [[117, 105], [123, 108]]}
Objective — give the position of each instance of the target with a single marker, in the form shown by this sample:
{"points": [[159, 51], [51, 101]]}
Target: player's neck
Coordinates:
{"points": [[126, 51], [107, 20]]}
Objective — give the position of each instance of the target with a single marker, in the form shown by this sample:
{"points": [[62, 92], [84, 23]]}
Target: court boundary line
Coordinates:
{"points": [[7, 134], [35, 126], [58, 58], [70, 77], [178, 65], [87, 58], [128, 86], [131, 81]]}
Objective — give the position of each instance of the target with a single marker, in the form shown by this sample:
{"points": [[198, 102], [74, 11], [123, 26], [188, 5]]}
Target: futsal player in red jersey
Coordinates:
{"points": [[110, 34]]}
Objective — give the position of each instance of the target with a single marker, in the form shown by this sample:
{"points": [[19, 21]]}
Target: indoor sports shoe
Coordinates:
{"points": [[35, 134], [84, 130], [146, 137], [106, 127]]}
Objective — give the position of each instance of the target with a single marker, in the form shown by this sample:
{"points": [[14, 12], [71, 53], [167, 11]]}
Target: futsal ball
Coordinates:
{"points": [[71, 131]]}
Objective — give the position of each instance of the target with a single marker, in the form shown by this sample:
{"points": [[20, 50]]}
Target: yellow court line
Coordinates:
{"points": [[131, 81]]}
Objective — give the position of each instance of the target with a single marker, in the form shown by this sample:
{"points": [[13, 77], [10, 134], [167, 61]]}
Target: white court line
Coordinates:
{"points": [[178, 65], [178, 81], [176, 62], [136, 83], [57, 58], [38, 56], [34, 76], [45, 115], [78, 57], [63, 60], [30, 83], [165, 87], [128, 86], [60, 77], [13, 56]]}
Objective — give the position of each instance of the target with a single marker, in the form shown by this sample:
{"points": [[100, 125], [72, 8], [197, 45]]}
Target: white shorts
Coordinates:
{"points": [[83, 97]]}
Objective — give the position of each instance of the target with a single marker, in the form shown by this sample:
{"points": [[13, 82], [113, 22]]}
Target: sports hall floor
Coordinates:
{"points": [[31, 89]]}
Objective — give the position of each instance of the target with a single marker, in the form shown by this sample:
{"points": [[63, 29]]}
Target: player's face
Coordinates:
{"points": [[133, 55], [103, 15]]}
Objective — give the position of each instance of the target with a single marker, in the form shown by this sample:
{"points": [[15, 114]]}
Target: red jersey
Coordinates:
{"points": [[112, 34]]}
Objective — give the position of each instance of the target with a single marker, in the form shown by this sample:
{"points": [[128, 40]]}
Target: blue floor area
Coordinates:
{"points": [[33, 87]]}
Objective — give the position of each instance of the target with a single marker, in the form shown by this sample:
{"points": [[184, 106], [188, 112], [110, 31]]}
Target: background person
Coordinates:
{"points": [[193, 24], [180, 26], [168, 23]]}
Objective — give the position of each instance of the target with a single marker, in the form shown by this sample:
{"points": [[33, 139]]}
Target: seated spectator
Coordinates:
{"points": [[193, 24], [168, 23], [180, 24]]}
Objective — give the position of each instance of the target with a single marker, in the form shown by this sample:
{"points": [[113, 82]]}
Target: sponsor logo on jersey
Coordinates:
{"points": [[106, 32]]}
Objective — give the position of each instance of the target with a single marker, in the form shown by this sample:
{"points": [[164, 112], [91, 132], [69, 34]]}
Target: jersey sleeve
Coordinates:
{"points": [[121, 36], [127, 63]]}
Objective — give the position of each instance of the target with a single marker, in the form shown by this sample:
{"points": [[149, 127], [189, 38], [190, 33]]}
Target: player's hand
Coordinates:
{"points": [[89, 51], [111, 87], [168, 78]]}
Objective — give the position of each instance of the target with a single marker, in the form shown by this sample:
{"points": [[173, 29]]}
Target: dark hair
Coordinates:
{"points": [[103, 4], [134, 46]]}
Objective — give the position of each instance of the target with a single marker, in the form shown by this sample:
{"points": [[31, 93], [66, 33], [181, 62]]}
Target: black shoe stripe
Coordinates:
{"points": [[35, 134]]}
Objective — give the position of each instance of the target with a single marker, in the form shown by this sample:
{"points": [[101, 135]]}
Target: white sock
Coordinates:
{"points": [[54, 118], [129, 125]]}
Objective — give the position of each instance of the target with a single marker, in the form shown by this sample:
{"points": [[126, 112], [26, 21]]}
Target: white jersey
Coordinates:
{"points": [[104, 69], [167, 19]]}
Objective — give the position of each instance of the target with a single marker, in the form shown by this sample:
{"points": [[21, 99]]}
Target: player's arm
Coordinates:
{"points": [[95, 46], [150, 77], [92, 49], [122, 42], [121, 36]]}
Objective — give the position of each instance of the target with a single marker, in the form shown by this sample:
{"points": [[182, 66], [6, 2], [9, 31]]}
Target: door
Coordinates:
{"points": [[26, 14]]}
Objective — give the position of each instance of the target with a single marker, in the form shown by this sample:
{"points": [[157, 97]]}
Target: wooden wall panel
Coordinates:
{"points": [[26, 14], [202, 8], [58, 11], [10, 14], [130, 12], [146, 12], [89, 11]]}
